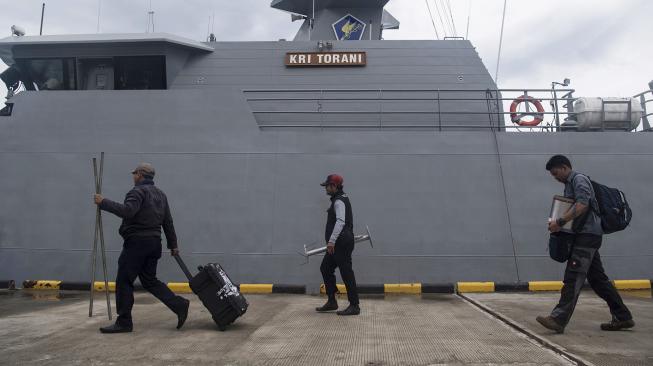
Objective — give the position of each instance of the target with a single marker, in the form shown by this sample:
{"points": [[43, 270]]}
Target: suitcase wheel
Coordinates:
{"points": [[222, 328]]}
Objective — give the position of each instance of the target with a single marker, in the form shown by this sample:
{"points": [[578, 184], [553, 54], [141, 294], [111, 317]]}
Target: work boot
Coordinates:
{"points": [[615, 324], [183, 314], [115, 328], [351, 310], [330, 305], [549, 323]]}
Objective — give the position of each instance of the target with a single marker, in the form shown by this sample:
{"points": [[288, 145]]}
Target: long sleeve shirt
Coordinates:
{"points": [[339, 207]]}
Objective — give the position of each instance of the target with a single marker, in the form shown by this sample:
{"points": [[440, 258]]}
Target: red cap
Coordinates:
{"points": [[334, 179]]}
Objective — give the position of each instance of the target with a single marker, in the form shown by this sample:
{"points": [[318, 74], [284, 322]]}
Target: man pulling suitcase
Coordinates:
{"points": [[144, 211]]}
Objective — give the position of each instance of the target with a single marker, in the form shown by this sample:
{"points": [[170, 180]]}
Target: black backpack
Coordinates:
{"points": [[613, 208]]}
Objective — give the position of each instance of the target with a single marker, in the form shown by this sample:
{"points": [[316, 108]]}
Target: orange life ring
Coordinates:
{"points": [[517, 118]]}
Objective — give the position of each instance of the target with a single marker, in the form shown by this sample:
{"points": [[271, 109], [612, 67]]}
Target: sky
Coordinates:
{"points": [[603, 46]]}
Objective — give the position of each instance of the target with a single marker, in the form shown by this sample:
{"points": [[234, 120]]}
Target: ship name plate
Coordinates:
{"points": [[326, 59]]}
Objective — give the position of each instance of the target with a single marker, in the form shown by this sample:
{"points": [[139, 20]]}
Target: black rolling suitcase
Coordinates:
{"points": [[218, 294]]}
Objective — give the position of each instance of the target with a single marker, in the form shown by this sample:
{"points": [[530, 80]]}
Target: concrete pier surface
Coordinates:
{"points": [[582, 335], [53, 328]]}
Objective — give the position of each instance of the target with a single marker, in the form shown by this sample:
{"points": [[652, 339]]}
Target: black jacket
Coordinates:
{"points": [[143, 214]]}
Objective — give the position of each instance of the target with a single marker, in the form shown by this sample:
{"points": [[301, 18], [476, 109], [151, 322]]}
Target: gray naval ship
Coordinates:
{"points": [[450, 183]]}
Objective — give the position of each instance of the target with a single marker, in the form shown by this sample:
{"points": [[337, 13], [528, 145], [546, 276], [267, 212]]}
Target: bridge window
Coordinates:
{"points": [[108, 73], [48, 73], [95, 74], [140, 72]]}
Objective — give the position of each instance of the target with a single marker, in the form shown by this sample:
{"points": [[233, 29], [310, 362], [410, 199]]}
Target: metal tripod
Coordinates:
{"points": [[99, 233]]}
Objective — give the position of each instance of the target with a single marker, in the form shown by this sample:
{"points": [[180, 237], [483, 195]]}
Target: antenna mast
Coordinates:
{"points": [[42, 14], [210, 36], [311, 21], [208, 28], [469, 17], [150, 19], [99, 7]]}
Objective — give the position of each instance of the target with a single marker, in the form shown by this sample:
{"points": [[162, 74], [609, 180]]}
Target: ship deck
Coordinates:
{"points": [[53, 328]]}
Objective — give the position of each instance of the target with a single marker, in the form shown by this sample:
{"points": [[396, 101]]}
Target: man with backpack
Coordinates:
{"points": [[584, 261]]}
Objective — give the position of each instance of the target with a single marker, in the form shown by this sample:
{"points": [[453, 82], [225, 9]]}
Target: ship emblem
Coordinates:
{"points": [[349, 28]]}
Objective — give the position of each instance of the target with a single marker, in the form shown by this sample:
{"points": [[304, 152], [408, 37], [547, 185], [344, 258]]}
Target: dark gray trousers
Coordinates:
{"points": [[585, 263], [341, 258], [139, 258]]}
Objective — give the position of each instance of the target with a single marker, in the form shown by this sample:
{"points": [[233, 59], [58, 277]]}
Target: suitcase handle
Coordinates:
{"points": [[183, 267]]}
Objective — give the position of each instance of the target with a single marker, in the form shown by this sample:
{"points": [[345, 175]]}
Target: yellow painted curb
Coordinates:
{"points": [[402, 288], [632, 284], [180, 287], [341, 289], [545, 286], [256, 288], [99, 286], [475, 286], [47, 285]]}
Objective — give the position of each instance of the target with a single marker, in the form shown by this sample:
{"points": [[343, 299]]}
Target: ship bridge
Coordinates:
{"points": [[96, 61]]}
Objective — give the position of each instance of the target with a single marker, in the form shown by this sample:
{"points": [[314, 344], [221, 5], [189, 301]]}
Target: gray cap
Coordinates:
{"points": [[145, 169]]}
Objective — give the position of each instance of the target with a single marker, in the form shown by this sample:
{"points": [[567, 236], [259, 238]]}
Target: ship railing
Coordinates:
{"points": [[645, 98], [486, 108]]}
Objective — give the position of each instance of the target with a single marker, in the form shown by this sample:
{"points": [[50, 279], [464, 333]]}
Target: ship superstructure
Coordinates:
{"points": [[242, 133]]}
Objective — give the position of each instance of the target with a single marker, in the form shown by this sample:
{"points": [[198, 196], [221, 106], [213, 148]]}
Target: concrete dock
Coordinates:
{"points": [[53, 328]]}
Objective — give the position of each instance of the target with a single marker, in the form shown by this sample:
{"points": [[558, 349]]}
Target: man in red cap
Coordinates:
{"points": [[339, 236]]}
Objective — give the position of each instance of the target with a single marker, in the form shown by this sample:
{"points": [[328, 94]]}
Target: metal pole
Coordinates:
{"points": [[99, 234], [357, 239], [102, 247], [646, 124], [42, 13], [95, 240], [527, 103], [555, 105], [500, 117], [490, 114]]}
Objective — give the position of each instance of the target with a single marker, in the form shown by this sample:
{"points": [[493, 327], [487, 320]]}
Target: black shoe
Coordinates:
{"points": [[329, 306], [618, 325], [549, 323], [351, 310], [115, 328], [183, 314]]}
